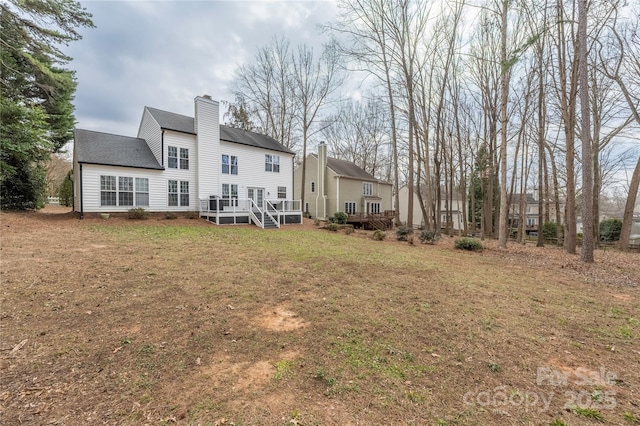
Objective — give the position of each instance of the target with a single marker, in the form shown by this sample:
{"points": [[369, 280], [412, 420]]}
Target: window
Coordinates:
{"points": [[173, 192], [180, 198], [125, 191], [313, 186], [272, 163], [350, 207], [531, 221], [184, 193], [229, 194], [142, 192], [184, 159], [374, 208], [367, 188], [229, 164], [282, 192], [107, 190], [172, 155]]}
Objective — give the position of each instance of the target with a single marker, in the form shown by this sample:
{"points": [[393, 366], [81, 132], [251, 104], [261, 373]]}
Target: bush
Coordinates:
{"points": [[610, 230], [170, 216], [403, 233], [379, 235], [332, 227], [65, 191], [467, 243], [348, 230], [137, 213], [192, 214], [549, 231], [429, 237], [340, 218]]}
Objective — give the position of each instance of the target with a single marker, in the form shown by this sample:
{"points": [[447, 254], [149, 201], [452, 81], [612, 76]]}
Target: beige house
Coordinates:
{"points": [[334, 185], [455, 220]]}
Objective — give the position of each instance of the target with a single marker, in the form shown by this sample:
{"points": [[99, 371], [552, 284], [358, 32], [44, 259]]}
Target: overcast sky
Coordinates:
{"points": [[164, 53]]}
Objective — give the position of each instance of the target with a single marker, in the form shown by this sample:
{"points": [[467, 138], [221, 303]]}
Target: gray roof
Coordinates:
{"points": [[113, 150], [348, 169], [182, 123], [170, 121]]}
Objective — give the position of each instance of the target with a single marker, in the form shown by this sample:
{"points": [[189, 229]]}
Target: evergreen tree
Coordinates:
{"points": [[36, 92]]}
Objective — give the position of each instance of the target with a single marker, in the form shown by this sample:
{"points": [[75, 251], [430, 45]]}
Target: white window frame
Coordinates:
{"points": [[367, 189], [125, 189], [108, 185], [172, 164], [282, 192], [350, 207], [142, 192], [272, 163], [184, 158], [173, 197]]}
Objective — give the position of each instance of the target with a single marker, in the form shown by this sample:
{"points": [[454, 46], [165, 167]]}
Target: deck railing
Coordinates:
{"points": [[277, 210]]}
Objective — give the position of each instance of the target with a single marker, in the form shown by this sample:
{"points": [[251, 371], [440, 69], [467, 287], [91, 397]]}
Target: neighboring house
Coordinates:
{"points": [[334, 185], [456, 219], [178, 164], [530, 213]]}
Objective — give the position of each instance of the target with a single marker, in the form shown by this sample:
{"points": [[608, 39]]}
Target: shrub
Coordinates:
{"points": [[170, 216], [429, 237], [403, 233], [348, 230], [550, 229], [379, 235], [467, 243], [332, 227], [192, 214], [316, 222], [340, 218], [138, 213], [610, 229], [65, 191]]}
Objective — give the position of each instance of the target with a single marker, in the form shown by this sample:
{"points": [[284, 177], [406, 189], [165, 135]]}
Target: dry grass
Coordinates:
{"points": [[161, 322]]}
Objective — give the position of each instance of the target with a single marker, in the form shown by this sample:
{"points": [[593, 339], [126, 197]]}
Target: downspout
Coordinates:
{"points": [[81, 197], [162, 148], [338, 193]]}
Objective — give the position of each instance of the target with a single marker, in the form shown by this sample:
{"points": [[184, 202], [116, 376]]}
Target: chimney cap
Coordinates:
{"points": [[206, 96]]}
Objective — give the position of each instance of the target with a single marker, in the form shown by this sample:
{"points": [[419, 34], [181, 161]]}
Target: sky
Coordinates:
{"points": [[163, 54]]}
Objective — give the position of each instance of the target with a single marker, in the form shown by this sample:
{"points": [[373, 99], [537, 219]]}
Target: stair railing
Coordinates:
{"points": [[253, 207], [270, 206]]}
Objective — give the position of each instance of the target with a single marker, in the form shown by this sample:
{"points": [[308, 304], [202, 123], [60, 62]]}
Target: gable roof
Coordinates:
{"points": [[182, 123], [113, 150], [348, 169]]}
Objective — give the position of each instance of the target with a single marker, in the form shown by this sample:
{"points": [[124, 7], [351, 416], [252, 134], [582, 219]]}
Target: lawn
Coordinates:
{"points": [[179, 321]]}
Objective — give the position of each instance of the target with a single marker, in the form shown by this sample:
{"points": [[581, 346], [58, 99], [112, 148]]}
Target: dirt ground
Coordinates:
{"points": [[184, 322]]}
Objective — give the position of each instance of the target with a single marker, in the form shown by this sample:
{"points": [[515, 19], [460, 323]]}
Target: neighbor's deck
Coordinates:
{"points": [[382, 220]]}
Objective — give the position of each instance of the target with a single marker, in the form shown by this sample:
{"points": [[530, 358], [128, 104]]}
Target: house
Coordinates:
{"points": [[334, 185], [451, 218], [178, 163]]}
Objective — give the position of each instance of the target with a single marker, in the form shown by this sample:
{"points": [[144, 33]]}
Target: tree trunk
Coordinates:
{"points": [[627, 220]]}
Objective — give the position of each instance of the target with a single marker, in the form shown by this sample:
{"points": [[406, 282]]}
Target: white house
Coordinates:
{"points": [[178, 164]]}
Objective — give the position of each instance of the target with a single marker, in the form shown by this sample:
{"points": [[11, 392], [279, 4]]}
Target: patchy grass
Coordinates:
{"points": [[180, 321]]}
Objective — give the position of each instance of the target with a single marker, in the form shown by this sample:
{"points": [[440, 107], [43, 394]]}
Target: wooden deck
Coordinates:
{"points": [[382, 220]]}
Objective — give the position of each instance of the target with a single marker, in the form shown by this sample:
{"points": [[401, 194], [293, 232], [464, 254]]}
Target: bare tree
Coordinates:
{"points": [[315, 81]]}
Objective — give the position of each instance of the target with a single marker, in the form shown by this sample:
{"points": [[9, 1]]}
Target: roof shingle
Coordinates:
{"points": [[113, 150]]}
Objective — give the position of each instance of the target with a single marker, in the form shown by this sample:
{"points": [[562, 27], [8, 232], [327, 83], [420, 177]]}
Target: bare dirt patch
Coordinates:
{"points": [[180, 321]]}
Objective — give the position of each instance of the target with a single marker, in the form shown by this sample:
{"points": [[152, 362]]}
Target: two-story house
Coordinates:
{"points": [[334, 185], [179, 163]]}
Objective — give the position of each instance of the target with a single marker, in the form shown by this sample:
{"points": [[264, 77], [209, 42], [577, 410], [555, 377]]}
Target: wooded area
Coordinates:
{"points": [[494, 100]]}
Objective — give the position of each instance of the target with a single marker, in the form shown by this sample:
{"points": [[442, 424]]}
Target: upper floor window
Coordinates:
{"points": [[367, 188], [172, 157], [313, 186], [229, 164], [184, 158], [272, 163]]}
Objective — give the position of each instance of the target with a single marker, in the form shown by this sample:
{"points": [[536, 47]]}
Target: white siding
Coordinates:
{"points": [[76, 181], [91, 187], [208, 144], [180, 140], [151, 132], [251, 171]]}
